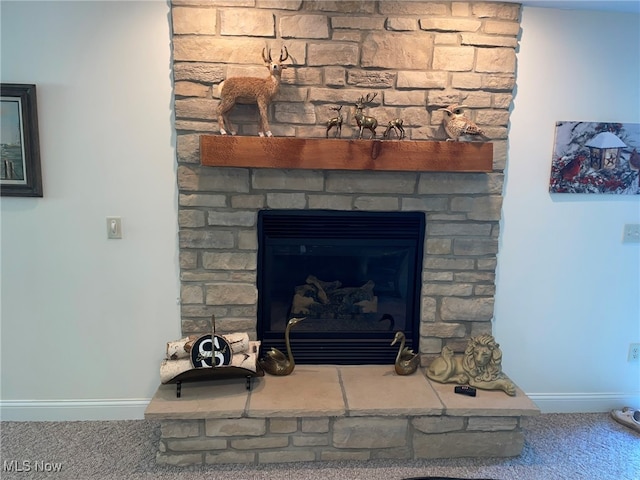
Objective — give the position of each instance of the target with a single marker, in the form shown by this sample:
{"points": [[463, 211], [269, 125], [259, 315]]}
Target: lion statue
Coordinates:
{"points": [[480, 366]]}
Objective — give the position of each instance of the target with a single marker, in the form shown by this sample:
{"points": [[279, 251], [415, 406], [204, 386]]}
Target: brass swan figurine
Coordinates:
{"points": [[406, 361], [277, 363]]}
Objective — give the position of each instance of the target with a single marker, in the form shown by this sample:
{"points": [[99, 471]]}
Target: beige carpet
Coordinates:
{"points": [[557, 447]]}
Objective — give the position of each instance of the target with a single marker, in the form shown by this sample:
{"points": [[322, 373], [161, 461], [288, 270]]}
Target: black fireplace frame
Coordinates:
{"points": [[323, 225]]}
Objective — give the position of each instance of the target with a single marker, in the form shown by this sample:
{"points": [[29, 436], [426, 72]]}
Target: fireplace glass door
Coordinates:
{"points": [[354, 276]]}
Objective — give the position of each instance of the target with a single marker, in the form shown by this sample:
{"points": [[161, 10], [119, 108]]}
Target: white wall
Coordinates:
{"points": [[568, 290], [84, 319]]}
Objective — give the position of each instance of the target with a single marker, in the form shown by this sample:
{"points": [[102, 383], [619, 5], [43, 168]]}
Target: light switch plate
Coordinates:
{"points": [[631, 233]]}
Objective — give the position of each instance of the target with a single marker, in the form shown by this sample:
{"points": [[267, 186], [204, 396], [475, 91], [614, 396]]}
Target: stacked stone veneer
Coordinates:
{"points": [[417, 56], [274, 440], [348, 413]]}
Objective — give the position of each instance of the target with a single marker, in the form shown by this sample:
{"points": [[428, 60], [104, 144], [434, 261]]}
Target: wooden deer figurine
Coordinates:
{"points": [[335, 122], [370, 123], [252, 90]]}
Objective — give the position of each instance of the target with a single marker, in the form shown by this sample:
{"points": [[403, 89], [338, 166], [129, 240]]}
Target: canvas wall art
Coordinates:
{"points": [[20, 173], [596, 157]]}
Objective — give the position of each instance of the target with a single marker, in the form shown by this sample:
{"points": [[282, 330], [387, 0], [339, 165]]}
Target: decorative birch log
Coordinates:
{"points": [[177, 349], [169, 369], [239, 342], [247, 359]]}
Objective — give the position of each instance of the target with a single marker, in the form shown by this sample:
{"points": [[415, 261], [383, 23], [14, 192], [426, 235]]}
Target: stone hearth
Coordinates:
{"points": [[334, 413]]}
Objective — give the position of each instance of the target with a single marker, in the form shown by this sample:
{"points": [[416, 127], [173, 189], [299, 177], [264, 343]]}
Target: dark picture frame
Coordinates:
{"points": [[20, 172]]}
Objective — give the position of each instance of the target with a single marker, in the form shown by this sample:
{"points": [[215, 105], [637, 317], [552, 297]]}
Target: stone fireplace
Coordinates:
{"points": [[418, 56]]}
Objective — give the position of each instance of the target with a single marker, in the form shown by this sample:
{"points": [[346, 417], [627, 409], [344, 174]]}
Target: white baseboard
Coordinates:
{"points": [[584, 402], [70, 410]]}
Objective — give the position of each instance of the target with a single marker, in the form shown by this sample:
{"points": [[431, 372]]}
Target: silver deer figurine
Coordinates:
{"points": [[363, 121], [252, 90]]}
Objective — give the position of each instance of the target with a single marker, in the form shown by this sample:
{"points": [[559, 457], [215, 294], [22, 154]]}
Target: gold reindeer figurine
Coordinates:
{"points": [[252, 90], [363, 121], [396, 127], [335, 122]]}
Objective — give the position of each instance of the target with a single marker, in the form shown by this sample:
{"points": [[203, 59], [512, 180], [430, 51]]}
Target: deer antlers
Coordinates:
{"points": [[362, 101], [284, 54]]}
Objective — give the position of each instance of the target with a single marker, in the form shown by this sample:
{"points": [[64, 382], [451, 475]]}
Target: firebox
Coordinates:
{"points": [[354, 276]]}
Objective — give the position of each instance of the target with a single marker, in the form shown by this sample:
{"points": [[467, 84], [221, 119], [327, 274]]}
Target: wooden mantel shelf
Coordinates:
{"points": [[343, 154]]}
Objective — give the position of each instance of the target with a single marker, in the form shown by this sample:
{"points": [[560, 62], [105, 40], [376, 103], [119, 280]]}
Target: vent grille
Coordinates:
{"points": [[332, 351], [320, 224]]}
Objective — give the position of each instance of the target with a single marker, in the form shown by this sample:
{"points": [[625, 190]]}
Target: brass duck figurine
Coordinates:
{"points": [[406, 361], [277, 363]]}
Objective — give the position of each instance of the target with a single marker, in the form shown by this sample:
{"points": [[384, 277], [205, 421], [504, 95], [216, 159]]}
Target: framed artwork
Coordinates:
{"points": [[20, 173], [596, 157]]}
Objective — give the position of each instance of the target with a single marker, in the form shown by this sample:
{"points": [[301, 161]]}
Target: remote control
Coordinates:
{"points": [[465, 390]]}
